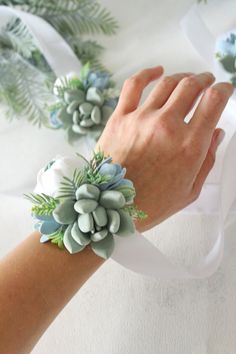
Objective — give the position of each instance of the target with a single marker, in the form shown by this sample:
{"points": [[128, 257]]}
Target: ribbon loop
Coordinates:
{"points": [[55, 49]]}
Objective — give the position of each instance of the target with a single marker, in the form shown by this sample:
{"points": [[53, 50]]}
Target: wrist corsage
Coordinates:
{"points": [[79, 203], [84, 103]]}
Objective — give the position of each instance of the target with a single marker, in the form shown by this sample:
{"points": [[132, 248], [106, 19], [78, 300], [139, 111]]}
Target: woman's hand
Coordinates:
{"points": [[167, 159]]}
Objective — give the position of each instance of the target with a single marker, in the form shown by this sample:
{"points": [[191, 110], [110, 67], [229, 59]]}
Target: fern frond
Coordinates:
{"points": [[71, 16], [43, 204], [24, 71], [87, 51], [24, 89], [16, 35], [57, 237], [69, 186]]}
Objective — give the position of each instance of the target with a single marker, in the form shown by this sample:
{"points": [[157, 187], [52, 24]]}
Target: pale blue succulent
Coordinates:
{"points": [[98, 79], [227, 46], [112, 102], [46, 225], [54, 121], [116, 174]]}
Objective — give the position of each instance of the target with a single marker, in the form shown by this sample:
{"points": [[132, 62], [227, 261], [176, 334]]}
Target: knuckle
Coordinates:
{"points": [[169, 82], [164, 125], [167, 111], [133, 81], [190, 82]]}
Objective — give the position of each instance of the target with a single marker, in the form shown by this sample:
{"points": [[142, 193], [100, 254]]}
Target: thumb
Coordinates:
{"points": [[209, 161]]}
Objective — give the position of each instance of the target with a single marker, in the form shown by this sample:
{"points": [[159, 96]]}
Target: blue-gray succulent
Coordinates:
{"points": [[92, 218], [84, 108]]}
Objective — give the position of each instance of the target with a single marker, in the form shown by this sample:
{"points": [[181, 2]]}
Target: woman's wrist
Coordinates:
{"points": [[36, 282]]}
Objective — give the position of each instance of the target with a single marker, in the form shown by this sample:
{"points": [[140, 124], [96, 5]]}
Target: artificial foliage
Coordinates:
{"points": [[84, 103], [22, 65], [226, 54], [90, 208]]}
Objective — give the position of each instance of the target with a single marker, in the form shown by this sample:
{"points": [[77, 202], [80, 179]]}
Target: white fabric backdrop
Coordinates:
{"points": [[118, 311]]}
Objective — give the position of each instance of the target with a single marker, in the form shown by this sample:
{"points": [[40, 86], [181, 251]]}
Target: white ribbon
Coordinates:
{"points": [[55, 49], [136, 252]]}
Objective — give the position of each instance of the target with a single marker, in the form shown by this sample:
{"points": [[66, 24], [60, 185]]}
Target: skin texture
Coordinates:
{"points": [[168, 161]]}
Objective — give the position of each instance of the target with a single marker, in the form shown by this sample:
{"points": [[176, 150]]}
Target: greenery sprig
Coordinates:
{"points": [[135, 213], [26, 78], [42, 203]]}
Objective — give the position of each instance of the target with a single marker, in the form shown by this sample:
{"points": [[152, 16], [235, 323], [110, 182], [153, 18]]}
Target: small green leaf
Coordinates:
{"points": [[228, 63], [134, 212], [84, 71]]}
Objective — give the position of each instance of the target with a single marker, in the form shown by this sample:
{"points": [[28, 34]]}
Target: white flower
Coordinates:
{"points": [[61, 80], [50, 176]]}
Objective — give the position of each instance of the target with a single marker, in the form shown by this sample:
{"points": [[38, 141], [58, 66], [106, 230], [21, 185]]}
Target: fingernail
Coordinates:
{"points": [[220, 137]]}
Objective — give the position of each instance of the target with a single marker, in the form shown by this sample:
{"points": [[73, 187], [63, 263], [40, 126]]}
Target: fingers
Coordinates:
{"points": [[186, 93], [209, 161], [161, 92], [209, 110], [133, 88]]}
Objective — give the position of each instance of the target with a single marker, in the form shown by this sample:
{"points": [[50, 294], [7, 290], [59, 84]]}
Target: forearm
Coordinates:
{"points": [[36, 282]]}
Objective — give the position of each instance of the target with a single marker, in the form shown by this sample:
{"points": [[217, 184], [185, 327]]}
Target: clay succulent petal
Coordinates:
{"points": [[105, 247], [65, 212], [70, 244]]}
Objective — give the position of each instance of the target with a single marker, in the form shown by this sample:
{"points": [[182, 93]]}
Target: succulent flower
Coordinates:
{"points": [[85, 103], [93, 218], [116, 173], [96, 204], [97, 79], [86, 111], [46, 225]]}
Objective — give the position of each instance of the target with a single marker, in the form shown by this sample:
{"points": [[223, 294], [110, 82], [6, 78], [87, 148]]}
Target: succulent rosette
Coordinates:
{"points": [[226, 54], [86, 207], [84, 103]]}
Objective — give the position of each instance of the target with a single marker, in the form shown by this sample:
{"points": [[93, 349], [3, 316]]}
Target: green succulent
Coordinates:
{"points": [[93, 218], [84, 111]]}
